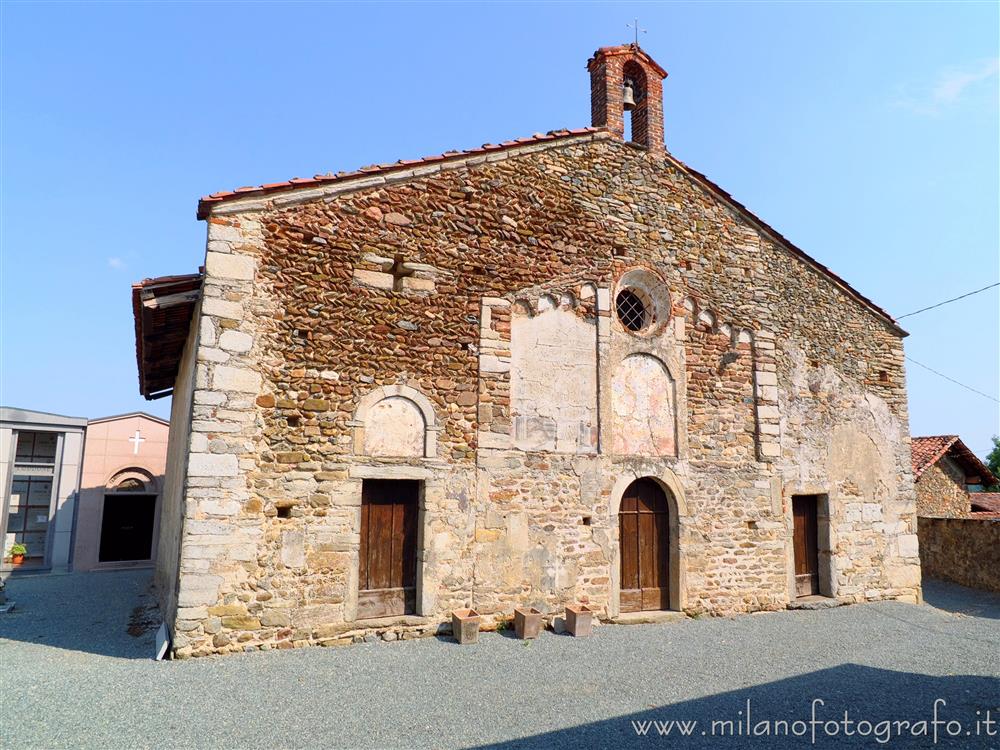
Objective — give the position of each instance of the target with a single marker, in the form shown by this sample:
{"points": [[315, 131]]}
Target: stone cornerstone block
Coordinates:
{"points": [[213, 465], [229, 266], [235, 379], [236, 341]]}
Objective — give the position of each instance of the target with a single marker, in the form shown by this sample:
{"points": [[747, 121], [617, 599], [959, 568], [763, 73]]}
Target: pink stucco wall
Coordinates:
{"points": [[108, 452]]}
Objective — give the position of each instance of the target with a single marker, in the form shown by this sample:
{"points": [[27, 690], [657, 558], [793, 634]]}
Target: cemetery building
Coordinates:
{"points": [[559, 369], [124, 457], [80, 494], [40, 459]]}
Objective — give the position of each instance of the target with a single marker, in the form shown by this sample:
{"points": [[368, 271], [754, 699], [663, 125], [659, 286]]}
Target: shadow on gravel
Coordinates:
{"points": [[951, 597], [110, 613], [877, 702]]}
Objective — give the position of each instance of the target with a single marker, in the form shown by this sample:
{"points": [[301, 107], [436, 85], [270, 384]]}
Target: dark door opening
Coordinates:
{"points": [[387, 575], [806, 544], [127, 528], [644, 523]]}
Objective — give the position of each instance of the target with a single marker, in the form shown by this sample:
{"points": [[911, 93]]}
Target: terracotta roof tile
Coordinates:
{"points": [[985, 502], [927, 451], [162, 309]]}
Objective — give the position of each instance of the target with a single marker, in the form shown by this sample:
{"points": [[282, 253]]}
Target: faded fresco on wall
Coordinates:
{"points": [[643, 408]]}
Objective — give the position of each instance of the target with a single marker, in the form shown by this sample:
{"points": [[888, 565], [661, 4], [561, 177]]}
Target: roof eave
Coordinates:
{"points": [[209, 202]]}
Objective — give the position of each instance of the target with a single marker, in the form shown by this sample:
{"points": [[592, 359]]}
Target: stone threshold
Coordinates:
{"points": [[649, 618], [814, 602]]}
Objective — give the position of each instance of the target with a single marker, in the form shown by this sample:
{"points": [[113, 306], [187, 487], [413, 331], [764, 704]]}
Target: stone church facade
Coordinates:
{"points": [[561, 369]]}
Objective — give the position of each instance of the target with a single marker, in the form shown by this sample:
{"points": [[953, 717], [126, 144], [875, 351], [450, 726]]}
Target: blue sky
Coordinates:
{"points": [[866, 133]]}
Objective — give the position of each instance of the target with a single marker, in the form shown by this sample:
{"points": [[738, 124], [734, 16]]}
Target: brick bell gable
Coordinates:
{"points": [[610, 68]]}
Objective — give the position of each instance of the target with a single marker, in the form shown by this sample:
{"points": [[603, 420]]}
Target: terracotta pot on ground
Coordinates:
{"points": [[527, 622], [465, 625], [17, 559], [579, 620]]}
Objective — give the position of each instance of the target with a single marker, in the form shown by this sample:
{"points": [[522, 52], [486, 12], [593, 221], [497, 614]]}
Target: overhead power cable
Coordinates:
{"points": [[942, 375], [953, 299]]}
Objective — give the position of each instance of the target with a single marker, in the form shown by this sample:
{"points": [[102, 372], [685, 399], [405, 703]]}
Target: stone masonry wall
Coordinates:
{"points": [[941, 491], [317, 301], [963, 550]]}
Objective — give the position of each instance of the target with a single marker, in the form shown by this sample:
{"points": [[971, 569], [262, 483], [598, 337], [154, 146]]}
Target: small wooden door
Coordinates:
{"points": [[388, 555], [806, 543], [644, 524]]}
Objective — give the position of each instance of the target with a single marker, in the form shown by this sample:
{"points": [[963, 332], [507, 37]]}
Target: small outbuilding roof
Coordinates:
{"points": [[927, 451], [985, 502]]}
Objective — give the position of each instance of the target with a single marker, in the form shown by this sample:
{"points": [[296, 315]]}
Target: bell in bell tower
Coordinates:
{"points": [[626, 79]]}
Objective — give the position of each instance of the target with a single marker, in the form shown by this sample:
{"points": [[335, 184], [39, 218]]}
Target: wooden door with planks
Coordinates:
{"points": [[806, 544], [387, 564], [644, 525]]}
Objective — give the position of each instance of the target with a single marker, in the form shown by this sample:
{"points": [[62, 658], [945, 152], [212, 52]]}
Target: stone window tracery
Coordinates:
{"points": [[642, 302]]}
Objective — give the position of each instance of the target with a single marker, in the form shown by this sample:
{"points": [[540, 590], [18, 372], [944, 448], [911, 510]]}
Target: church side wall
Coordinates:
{"points": [[319, 307], [167, 565]]}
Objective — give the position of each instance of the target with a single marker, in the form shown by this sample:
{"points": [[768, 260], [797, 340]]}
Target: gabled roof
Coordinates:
{"points": [[162, 308], [627, 49], [927, 451], [552, 138], [206, 203]]}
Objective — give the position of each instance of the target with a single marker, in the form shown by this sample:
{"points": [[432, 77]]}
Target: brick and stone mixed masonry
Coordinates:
{"points": [[454, 321]]}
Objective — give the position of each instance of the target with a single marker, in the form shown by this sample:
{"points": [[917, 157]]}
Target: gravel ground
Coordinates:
{"points": [[74, 677]]}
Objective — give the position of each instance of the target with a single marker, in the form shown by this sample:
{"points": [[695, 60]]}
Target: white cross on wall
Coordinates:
{"points": [[135, 440]]}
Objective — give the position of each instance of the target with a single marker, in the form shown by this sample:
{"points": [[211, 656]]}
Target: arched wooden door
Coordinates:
{"points": [[644, 523]]}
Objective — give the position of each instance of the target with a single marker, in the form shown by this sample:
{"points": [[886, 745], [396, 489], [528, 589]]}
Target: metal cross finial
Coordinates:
{"points": [[635, 25]]}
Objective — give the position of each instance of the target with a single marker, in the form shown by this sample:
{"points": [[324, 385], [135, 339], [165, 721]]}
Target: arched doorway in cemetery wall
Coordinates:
{"points": [[645, 522], [128, 518]]}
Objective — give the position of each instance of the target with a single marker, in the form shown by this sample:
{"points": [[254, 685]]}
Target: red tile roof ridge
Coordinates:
{"points": [[205, 204]]}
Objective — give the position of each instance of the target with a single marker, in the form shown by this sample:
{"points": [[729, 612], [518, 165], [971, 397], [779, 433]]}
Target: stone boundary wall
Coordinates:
{"points": [[963, 550]]}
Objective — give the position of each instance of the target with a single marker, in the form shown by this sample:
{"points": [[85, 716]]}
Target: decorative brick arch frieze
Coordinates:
{"points": [[760, 344], [576, 293], [363, 415]]}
